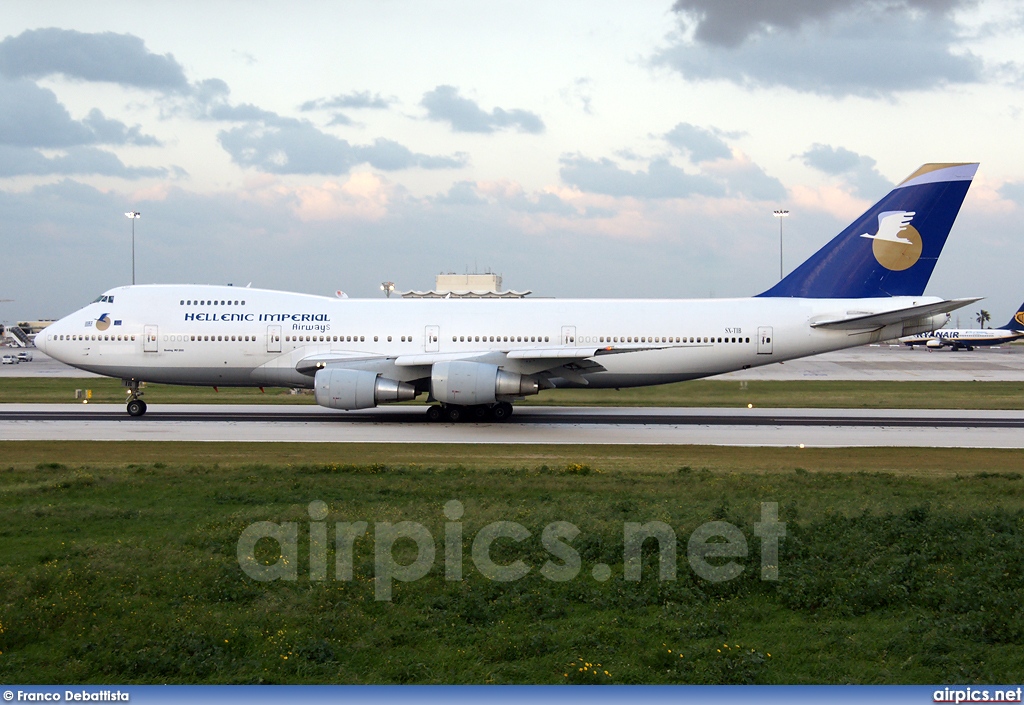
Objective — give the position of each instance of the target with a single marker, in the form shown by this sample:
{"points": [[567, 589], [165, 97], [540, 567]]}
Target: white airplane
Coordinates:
{"points": [[475, 357], [969, 338]]}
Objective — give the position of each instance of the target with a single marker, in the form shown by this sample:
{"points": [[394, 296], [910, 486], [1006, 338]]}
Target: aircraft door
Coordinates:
{"points": [[273, 339], [764, 340], [431, 336], [569, 335], [150, 339]]}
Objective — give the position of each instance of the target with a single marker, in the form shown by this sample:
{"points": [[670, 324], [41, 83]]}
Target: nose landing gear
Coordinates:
{"points": [[136, 407]]}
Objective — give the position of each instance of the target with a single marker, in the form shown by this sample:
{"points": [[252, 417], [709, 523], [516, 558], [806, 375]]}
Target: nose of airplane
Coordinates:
{"points": [[40, 339]]}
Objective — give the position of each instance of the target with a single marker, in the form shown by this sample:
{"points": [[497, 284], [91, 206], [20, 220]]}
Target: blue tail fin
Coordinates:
{"points": [[1017, 322], [891, 250]]}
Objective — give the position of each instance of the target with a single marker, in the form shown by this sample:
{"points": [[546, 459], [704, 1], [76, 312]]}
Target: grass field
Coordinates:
{"points": [[716, 393], [118, 564]]}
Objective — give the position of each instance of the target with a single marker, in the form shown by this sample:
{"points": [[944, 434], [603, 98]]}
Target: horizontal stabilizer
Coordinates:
{"points": [[869, 321]]}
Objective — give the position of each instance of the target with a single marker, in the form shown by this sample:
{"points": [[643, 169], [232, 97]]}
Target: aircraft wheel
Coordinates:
{"points": [[501, 411], [136, 407], [434, 413], [480, 412], [454, 413]]}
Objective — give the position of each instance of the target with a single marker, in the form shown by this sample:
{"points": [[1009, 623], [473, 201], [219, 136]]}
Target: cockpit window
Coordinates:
{"points": [[103, 299]]}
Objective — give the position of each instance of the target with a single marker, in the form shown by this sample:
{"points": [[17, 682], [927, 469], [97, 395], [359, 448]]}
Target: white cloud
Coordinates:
{"points": [[100, 56], [444, 104], [660, 180], [858, 170], [872, 49], [700, 143]]}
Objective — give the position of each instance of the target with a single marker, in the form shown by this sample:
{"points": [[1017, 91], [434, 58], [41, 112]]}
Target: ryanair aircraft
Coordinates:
{"points": [[968, 338], [474, 357]]}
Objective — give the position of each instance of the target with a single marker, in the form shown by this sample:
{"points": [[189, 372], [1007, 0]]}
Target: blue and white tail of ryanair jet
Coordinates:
{"points": [[474, 357], [892, 249], [969, 338], [1017, 322]]}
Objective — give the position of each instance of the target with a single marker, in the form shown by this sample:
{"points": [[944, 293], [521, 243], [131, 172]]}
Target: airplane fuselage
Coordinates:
{"points": [[229, 336], [966, 337]]}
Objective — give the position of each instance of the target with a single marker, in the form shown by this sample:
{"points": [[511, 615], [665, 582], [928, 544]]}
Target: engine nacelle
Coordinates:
{"points": [[933, 343], [468, 383], [358, 389]]}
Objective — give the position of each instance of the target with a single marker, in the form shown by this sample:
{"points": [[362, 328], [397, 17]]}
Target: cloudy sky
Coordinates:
{"points": [[577, 148]]}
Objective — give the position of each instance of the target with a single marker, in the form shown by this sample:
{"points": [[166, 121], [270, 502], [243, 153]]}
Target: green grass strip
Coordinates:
{"points": [[712, 393]]}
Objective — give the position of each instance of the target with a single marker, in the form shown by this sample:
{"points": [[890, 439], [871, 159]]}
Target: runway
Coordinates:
{"points": [[529, 425], [576, 425], [878, 363]]}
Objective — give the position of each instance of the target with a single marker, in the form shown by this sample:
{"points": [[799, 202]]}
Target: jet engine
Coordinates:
{"points": [[358, 389], [468, 383]]}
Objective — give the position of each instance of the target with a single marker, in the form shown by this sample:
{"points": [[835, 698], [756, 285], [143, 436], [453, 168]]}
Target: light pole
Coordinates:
{"points": [[134, 215], [780, 214], [387, 288]]}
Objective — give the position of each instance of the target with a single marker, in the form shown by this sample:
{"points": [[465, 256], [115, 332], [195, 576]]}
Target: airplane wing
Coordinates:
{"points": [[856, 320], [538, 359]]}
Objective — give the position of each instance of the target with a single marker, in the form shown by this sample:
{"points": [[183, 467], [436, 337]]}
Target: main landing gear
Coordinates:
{"points": [[136, 407], [454, 413]]}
